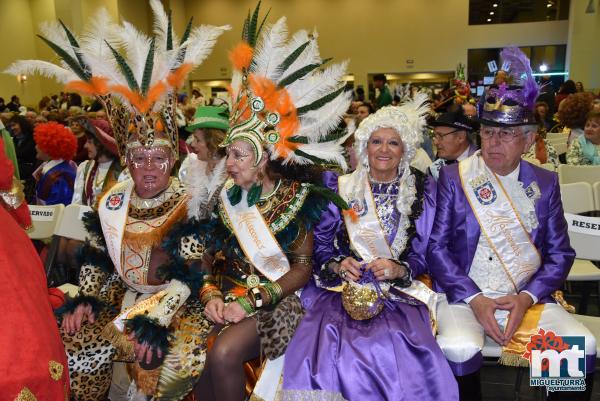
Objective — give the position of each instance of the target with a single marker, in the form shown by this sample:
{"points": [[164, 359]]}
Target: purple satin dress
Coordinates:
{"points": [[393, 356]]}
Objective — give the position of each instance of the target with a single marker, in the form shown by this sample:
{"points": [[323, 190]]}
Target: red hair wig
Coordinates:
{"points": [[55, 140]]}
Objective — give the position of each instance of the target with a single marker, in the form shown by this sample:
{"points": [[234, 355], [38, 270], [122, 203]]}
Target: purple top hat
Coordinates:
{"points": [[511, 104]]}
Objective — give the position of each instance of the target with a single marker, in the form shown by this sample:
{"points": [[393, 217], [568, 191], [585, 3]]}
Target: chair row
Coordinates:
{"points": [[579, 197]]}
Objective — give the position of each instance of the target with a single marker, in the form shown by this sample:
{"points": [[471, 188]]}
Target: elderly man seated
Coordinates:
{"points": [[499, 246]]}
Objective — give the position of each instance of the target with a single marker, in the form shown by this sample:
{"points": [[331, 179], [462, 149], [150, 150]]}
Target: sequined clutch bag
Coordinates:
{"points": [[361, 301]]}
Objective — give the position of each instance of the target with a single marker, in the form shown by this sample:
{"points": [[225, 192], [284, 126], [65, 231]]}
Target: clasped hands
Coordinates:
{"points": [[217, 311], [383, 269], [72, 323], [485, 308]]}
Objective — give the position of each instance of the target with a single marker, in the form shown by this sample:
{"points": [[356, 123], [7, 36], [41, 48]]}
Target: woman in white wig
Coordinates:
{"points": [[374, 339]]}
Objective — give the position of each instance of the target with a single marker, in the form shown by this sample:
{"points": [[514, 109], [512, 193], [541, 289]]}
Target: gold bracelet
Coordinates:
{"points": [[302, 260]]}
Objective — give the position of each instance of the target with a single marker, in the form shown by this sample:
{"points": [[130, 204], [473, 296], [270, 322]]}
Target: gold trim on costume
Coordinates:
{"points": [[25, 395], [56, 370], [512, 354]]}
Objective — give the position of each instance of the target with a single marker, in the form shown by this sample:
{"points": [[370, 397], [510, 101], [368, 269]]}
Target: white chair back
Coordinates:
{"points": [[561, 148], [548, 166], [557, 136], [596, 190], [577, 197], [44, 220], [568, 174], [71, 225], [584, 235]]}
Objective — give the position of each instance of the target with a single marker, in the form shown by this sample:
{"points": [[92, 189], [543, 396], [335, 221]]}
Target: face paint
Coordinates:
{"points": [[150, 169]]}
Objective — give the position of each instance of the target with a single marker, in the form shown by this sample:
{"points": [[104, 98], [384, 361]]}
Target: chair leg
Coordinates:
{"points": [[52, 250]]}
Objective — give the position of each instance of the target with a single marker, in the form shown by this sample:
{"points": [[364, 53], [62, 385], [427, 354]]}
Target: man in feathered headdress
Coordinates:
{"points": [[127, 266], [499, 248]]}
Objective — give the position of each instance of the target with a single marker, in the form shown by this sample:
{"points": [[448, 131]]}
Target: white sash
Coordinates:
{"points": [[112, 209], [255, 237], [500, 223], [367, 237]]}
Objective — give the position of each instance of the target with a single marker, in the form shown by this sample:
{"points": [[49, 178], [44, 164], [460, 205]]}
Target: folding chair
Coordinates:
{"points": [[561, 148], [568, 174], [557, 136], [586, 250], [577, 197], [71, 227], [596, 191], [44, 220]]}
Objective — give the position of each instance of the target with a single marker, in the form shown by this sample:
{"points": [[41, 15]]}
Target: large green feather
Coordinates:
{"points": [[320, 102], [188, 30], [148, 69], [331, 196], [245, 28], [75, 45], [71, 62], [332, 136], [302, 72], [289, 60], [262, 23], [252, 26], [125, 69], [170, 33]]}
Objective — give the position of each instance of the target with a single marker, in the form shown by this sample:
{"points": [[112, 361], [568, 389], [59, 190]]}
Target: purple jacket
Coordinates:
{"points": [[455, 236], [331, 239]]}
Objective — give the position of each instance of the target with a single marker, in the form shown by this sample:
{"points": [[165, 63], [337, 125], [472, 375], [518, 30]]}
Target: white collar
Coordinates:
{"points": [[50, 164]]}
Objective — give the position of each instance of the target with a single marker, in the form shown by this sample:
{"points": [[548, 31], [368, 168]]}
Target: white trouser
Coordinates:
{"points": [[461, 337]]}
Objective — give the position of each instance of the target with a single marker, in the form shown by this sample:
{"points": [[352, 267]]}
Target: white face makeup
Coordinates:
{"points": [[240, 164], [150, 169]]}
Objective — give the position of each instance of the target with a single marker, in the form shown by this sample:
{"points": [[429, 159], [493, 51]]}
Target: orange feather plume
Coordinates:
{"points": [[95, 86], [241, 56], [177, 78], [141, 103], [265, 89]]}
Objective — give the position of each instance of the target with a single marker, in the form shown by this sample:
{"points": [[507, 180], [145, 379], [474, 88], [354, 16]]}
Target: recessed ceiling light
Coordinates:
{"points": [[491, 13], [495, 5], [489, 20]]}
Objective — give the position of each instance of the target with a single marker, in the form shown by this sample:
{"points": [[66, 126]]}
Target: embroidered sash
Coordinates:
{"points": [[112, 209], [503, 229], [255, 238], [500, 223], [368, 239]]}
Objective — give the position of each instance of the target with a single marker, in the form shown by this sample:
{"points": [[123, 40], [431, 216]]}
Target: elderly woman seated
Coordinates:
{"points": [[374, 340]]}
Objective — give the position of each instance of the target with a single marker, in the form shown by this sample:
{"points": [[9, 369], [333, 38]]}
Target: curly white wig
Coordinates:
{"points": [[408, 120]]}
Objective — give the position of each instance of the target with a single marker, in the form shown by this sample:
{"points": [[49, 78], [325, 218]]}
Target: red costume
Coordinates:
{"points": [[33, 364]]}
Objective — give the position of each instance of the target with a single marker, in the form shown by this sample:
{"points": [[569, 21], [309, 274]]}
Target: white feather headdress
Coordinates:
{"points": [[408, 120], [133, 75], [283, 98]]}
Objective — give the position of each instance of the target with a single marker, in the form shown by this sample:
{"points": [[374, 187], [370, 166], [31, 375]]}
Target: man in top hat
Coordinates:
{"points": [[499, 247], [451, 136]]}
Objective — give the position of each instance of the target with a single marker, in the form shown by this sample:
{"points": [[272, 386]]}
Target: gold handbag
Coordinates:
{"points": [[361, 301]]}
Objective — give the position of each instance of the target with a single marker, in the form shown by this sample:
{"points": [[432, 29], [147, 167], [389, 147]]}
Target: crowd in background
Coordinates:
{"points": [[570, 109]]}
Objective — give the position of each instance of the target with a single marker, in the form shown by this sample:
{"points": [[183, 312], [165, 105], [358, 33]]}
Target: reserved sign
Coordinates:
{"points": [[41, 213], [583, 224]]}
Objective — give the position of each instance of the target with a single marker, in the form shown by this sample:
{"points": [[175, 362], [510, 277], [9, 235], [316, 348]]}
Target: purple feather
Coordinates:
{"points": [[520, 70]]}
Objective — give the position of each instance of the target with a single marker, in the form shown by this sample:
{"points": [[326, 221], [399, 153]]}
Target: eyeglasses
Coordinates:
{"points": [[504, 134], [439, 137]]}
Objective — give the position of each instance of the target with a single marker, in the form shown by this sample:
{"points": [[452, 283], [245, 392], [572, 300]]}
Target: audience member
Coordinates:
{"points": [[56, 145], [585, 150]]}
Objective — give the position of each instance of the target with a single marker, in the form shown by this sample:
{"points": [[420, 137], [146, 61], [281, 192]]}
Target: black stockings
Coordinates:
{"points": [[223, 378]]}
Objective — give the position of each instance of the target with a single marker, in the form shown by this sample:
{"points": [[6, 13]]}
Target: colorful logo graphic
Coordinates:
{"points": [[115, 201], [556, 362]]}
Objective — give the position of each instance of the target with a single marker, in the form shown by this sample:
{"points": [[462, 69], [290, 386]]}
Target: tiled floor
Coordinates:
{"points": [[498, 382]]}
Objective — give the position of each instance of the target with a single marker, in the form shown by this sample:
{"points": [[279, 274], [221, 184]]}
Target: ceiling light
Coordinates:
{"points": [[495, 5], [548, 5], [491, 13], [489, 20], [543, 68]]}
